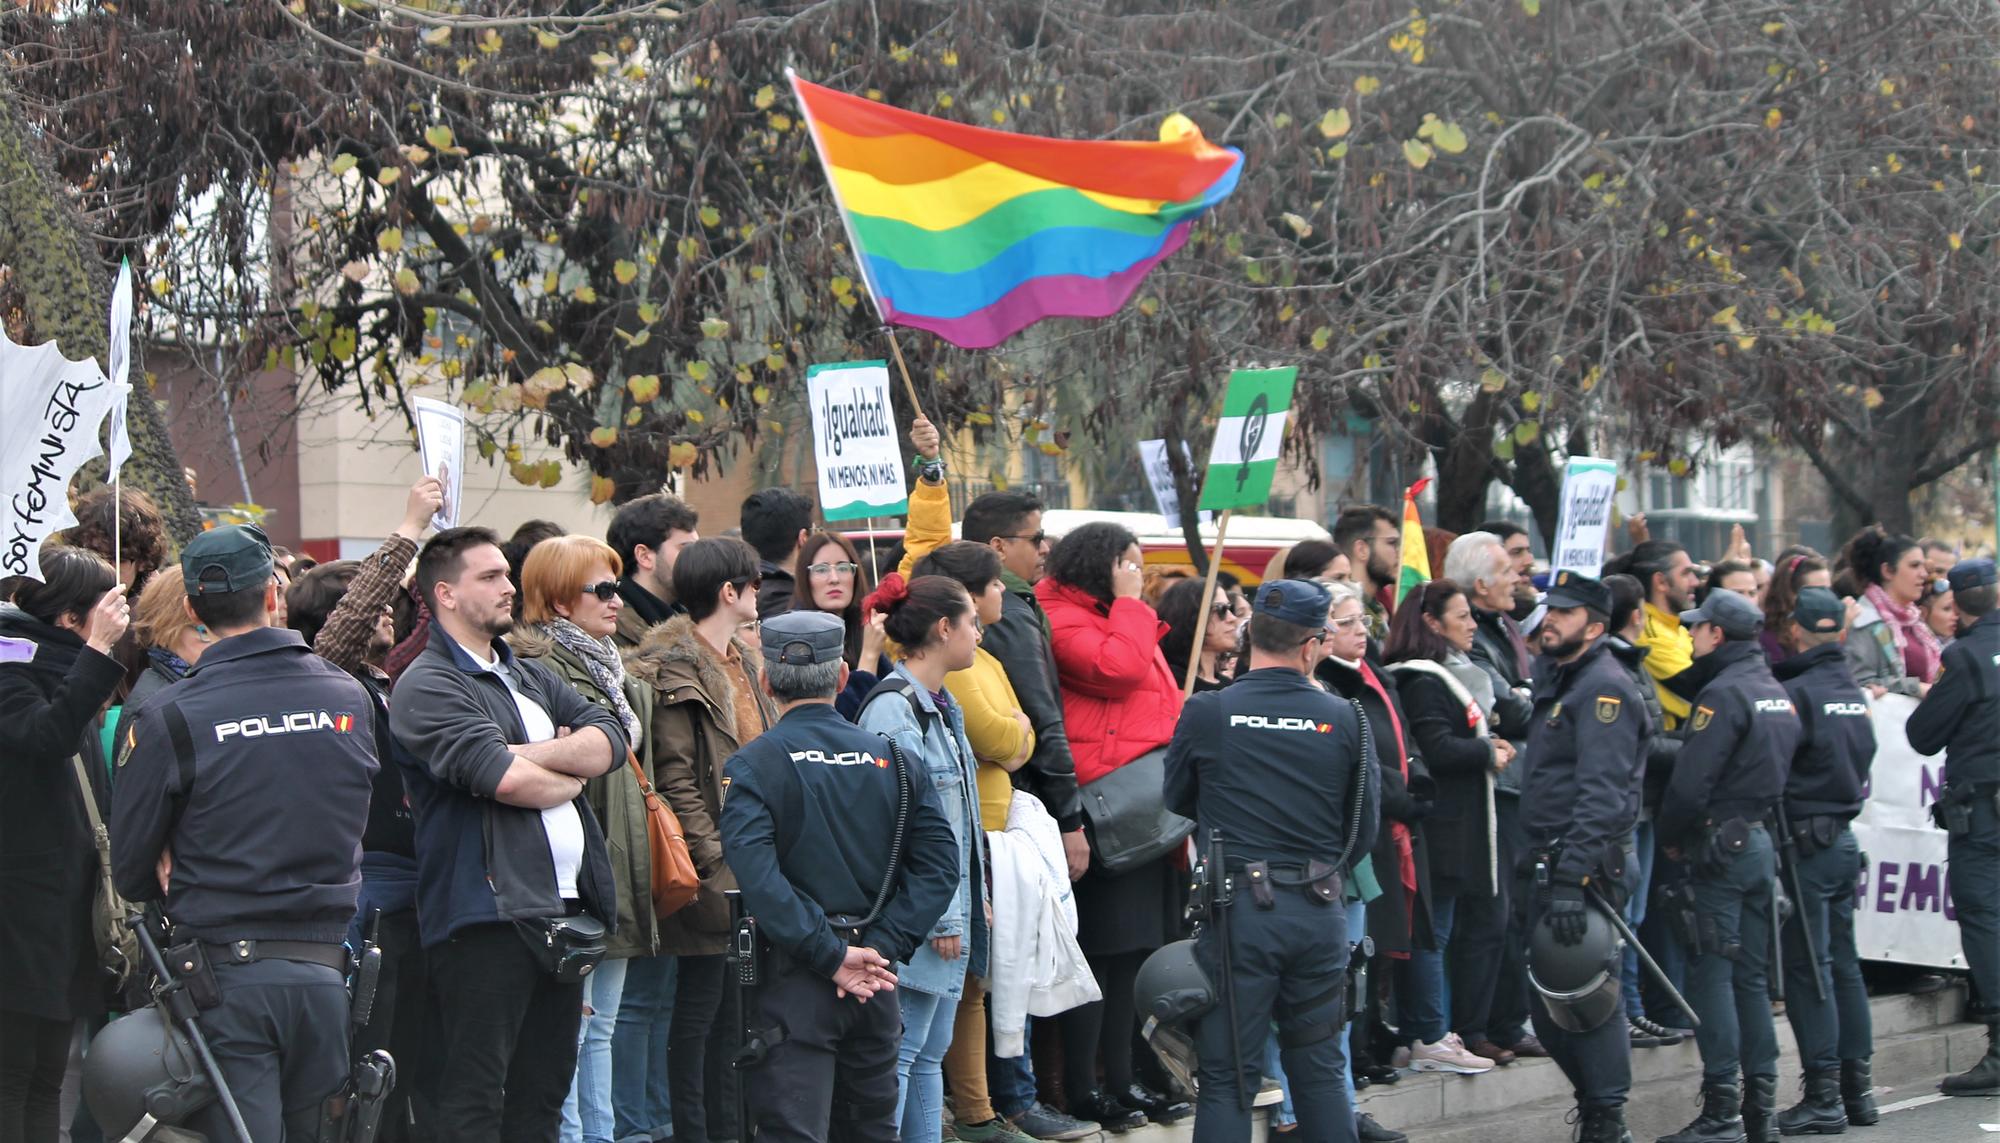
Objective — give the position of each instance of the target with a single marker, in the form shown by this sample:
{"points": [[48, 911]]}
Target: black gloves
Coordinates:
{"points": [[1566, 913]]}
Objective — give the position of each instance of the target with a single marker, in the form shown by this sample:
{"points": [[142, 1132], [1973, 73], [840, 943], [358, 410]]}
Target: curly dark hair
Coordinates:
{"points": [[142, 532], [1083, 558], [1871, 549], [1180, 608]]}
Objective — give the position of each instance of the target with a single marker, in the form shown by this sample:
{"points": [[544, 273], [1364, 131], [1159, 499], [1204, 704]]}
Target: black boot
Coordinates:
{"points": [[1820, 1112], [1721, 1118], [1105, 1109], [1159, 1108], [1603, 1125], [1760, 1109], [1857, 1091], [1984, 1078]]}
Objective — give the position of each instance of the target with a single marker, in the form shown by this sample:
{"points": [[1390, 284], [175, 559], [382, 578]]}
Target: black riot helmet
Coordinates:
{"points": [[1578, 983], [1171, 986], [141, 1066]]}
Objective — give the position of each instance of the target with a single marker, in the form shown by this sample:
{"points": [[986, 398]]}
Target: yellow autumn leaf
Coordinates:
{"points": [[1956, 239], [1336, 123], [341, 164], [1773, 27], [1449, 138], [774, 361], [1418, 153], [1367, 85], [840, 285], [1531, 400], [714, 328], [680, 454], [1774, 118], [489, 43], [585, 293], [406, 281], [766, 95], [549, 40], [1872, 397], [1725, 317], [1322, 337], [1492, 380], [601, 489], [389, 175], [710, 216], [697, 371], [760, 395], [390, 240], [624, 271], [1300, 226], [644, 387], [438, 35], [648, 312], [604, 436], [1532, 7]]}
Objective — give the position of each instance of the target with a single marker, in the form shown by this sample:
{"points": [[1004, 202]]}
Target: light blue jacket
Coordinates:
{"points": [[938, 743]]}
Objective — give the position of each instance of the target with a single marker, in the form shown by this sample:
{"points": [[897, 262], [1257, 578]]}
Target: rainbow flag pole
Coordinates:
{"points": [[1416, 554], [976, 234]]}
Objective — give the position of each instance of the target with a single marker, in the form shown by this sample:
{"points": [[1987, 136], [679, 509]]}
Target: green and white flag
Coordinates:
{"points": [[1248, 438]]}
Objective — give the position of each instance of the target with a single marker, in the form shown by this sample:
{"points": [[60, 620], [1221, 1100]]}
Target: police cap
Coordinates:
{"points": [[1819, 611], [1296, 601], [1968, 574], [804, 638], [1735, 614], [1574, 589], [231, 558]]}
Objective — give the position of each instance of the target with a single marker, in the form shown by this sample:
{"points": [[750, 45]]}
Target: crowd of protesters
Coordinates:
{"points": [[1068, 665]]}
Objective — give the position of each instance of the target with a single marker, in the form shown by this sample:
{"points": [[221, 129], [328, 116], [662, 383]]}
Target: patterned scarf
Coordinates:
{"points": [[173, 665], [600, 658], [1915, 641]]}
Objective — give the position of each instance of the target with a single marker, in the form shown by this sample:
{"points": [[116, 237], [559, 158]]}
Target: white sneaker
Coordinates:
{"points": [[1448, 1055]]}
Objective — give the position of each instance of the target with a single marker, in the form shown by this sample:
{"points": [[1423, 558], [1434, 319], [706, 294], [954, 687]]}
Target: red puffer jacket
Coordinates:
{"points": [[1119, 696]]}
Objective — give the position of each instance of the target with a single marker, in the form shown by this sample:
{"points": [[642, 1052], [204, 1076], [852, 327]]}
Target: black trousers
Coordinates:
{"points": [[691, 1037], [1103, 1028], [280, 1038], [830, 1074], [1489, 993], [33, 1054], [404, 1022], [508, 1041], [1598, 1063]]}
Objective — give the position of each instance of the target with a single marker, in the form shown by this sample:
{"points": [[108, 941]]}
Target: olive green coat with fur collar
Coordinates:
{"points": [[694, 732]]}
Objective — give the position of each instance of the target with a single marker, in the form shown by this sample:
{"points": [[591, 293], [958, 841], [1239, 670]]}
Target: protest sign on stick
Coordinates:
{"points": [[1588, 487], [855, 449], [441, 443], [1160, 474], [1241, 465], [50, 412]]}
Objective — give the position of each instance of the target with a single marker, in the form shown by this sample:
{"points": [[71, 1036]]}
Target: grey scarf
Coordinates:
{"points": [[607, 670]]}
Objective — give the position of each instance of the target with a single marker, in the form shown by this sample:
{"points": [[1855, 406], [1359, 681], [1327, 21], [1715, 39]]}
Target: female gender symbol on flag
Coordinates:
{"points": [[1248, 438]]}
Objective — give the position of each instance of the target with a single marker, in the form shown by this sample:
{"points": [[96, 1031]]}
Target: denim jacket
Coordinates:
{"points": [[939, 744]]}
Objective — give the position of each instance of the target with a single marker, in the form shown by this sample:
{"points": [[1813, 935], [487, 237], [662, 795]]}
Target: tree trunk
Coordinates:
{"points": [[1188, 490], [1465, 465], [66, 292]]}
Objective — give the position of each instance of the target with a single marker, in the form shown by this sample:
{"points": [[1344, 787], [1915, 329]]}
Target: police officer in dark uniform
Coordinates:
{"points": [[1961, 716], [810, 824], [1276, 766], [1580, 791], [240, 800], [1823, 793], [1740, 738]]}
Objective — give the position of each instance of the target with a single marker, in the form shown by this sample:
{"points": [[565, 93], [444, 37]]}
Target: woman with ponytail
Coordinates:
{"points": [[1889, 648], [934, 627]]}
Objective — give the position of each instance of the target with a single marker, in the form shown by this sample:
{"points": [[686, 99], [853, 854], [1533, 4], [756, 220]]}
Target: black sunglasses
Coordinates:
{"points": [[606, 590], [1218, 610], [1035, 539]]}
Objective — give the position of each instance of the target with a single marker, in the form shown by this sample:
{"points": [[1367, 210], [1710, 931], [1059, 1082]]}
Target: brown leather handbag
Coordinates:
{"points": [[675, 882]]}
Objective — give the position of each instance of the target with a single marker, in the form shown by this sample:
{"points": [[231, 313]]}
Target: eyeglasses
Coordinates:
{"points": [[844, 567], [751, 625], [751, 582], [1037, 539], [1350, 621], [605, 590]]}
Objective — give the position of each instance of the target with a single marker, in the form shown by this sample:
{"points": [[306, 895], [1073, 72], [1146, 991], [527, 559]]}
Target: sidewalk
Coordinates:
{"points": [[1918, 1040]]}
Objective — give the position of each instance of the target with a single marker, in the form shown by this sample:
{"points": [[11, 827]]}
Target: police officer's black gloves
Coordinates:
{"points": [[1565, 915]]}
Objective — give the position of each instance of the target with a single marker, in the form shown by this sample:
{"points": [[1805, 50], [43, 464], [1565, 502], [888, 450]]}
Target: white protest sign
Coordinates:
{"points": [[1903, 909], [120, 358], [1588, 486], [854, 441], [441, 442], [1159, 474], [50, 412]]}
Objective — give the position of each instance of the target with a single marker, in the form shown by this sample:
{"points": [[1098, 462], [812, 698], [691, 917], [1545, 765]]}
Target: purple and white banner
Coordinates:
{"points": [[1903, 910]]}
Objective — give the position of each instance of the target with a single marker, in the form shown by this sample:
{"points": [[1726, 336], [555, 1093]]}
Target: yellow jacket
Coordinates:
{"points": [[929, 525], [1670, 650]]}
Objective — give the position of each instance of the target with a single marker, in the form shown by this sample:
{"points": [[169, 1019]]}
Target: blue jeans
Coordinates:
{"points": [[586, 1114], [1423, 990], [927, 1026], [641, 1107], [1635, 915], [1010, 1081], [1283, 1115]]}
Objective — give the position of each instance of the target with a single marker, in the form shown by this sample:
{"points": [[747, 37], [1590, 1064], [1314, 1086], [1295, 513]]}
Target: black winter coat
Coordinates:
{"points": [[49, 707], [1396, 921], [1459, 833]]}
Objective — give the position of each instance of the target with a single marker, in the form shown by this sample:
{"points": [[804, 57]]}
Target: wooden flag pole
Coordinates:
{"points": [[916, 406], [1207, 602]]}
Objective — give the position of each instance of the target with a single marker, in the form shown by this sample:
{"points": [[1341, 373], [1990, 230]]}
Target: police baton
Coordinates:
{"points": [[172, 997], [1224, 894], [1645, 958], [1788, 865]]}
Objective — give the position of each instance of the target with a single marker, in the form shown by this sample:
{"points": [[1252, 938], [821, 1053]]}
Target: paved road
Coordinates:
{"points": [[1935, 1119]]}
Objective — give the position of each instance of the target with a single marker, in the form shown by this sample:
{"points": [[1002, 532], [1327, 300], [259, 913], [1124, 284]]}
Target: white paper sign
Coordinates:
{"points": [[1903, 910], [120, 358], [854, 441], [1159, 474], [51, 409], [1588, 486], [441, 441]]}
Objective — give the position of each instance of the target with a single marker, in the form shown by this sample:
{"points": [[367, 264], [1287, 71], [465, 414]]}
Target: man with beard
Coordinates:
{"points": [[511, 864], [343, 610], [1669, 577], [648, 535], [1579, 802], [1741, 736], [1372, 541]]}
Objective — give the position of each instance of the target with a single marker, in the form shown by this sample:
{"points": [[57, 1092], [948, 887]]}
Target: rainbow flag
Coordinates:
{"points": [[975, 234], [1416, 554]]}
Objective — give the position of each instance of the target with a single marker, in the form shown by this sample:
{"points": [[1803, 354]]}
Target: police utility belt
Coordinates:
{"points": [[1722, 840], [1319, 880], [193, 961], [1815, 833], [1952, 812]]}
